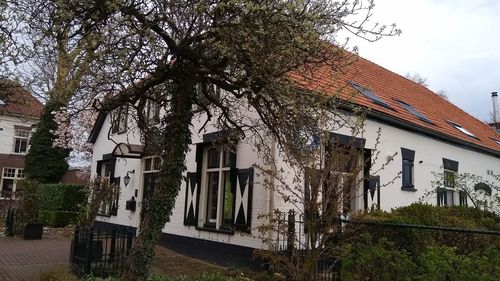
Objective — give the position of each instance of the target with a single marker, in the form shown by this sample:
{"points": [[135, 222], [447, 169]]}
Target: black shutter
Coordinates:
{"points": [[114, 202], [408, 154], [243, 199], [450, 165], [191, 200]]}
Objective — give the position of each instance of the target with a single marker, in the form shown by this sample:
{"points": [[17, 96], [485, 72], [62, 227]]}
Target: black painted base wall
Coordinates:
{"points": [[215, 252]]}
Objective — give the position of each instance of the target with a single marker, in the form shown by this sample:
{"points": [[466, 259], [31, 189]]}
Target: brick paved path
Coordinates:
{"points": [[22, 260]]}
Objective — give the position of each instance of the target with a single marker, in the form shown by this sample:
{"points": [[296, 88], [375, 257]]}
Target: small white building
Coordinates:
{"points": [[218, 206], [18, 115]]}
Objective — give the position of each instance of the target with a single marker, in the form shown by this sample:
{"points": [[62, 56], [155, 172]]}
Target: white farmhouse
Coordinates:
{"points": [[19, 112], [216, 212]]}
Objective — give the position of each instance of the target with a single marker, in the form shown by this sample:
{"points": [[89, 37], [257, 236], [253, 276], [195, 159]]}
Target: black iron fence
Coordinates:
{"points": [[13, 223], [294, 239], [100, 251]]}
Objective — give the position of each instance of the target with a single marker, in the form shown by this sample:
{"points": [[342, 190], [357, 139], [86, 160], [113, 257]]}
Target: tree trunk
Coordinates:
{"points": [[176, 137]]}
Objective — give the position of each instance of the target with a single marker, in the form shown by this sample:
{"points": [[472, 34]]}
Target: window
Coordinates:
{"points": [[369, 94], [119, 120], [447, 196], [21, 138], [150, 168], [152, 112], [202, 90], [9, 181], [407, 176], [462, 129], [218, 196], [414, 112], [218, 183], [496, 140], [109, 205]]}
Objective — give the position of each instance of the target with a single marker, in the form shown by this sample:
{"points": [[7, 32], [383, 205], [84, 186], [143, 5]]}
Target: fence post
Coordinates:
{"points": [[113, 242], [9, 223], [129, 239], [291, 230], [88, 260], [74, 245]]}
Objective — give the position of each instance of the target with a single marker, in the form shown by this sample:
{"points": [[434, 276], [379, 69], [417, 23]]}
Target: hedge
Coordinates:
{"points": [[60, 204]]}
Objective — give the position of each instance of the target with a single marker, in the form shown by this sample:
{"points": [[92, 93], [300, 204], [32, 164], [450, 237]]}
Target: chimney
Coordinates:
{"points": [[496, 114]]}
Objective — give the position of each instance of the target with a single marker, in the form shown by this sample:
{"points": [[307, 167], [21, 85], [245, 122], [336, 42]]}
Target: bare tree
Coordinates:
{"points": [[417, 78], [262, 55]]}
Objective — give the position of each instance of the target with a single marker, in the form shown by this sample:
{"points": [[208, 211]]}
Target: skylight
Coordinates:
{"points": [[496, 140], [413, 111], [462, 129], [369, 94]]}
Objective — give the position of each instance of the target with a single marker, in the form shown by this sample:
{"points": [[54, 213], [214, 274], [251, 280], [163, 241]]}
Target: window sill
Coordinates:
{"points": [[408, 188], [104, 215], [213, 229]]}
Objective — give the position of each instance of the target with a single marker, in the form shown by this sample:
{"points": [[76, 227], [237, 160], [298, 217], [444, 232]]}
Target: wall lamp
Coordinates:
{"points": [[126, 179]]}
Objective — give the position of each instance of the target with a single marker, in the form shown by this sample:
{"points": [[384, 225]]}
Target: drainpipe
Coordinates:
{"points": [[270, 190]]}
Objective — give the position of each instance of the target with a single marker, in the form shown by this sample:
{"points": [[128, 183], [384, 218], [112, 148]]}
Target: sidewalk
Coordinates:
{"points": [[24, 260]]}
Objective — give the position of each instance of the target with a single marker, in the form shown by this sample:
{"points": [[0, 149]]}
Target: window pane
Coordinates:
{"points": [[213, 158], [107, 169], [213, 191], [407, 173], [20, 173], [449, 179], [9, 172], [7, 187], [147, 164], [24, 146], [227, 161], [228, 199], [157, 163]]}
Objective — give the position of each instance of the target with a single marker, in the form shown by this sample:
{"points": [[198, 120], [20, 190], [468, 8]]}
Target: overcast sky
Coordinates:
{"points": [[455, 44]]}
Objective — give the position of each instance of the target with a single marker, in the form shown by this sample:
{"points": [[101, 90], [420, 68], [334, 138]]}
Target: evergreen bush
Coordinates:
{"points": [[60, 204], [44, 162]]}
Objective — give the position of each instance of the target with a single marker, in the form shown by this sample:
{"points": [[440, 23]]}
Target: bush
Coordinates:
{"points": [[417, 240], [60, 204], [27, 192], [377, 261], [443, 263]]}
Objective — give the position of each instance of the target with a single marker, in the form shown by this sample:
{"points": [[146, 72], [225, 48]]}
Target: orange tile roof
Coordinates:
{"points": [[391, 87], [21, 102]]}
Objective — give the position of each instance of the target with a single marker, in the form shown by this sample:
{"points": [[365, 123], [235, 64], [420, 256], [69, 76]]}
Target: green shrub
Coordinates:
{"points": [[60, 204], [444, 263], [417, 240], [377, 261], [27, 192]]}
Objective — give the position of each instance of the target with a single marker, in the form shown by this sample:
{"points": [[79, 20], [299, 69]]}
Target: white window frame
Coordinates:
{"points": [[452, 195], [218, 222], [24, 136], [18, 174]]}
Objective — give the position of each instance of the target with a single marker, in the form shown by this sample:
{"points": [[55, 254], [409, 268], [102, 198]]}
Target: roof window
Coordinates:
{"points": [[462, 129], [496, 140], [413, 111], [369, 94]]}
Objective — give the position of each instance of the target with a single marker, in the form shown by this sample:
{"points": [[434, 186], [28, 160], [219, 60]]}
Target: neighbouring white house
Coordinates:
{"points": [[217, 212], [19, 113]]}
